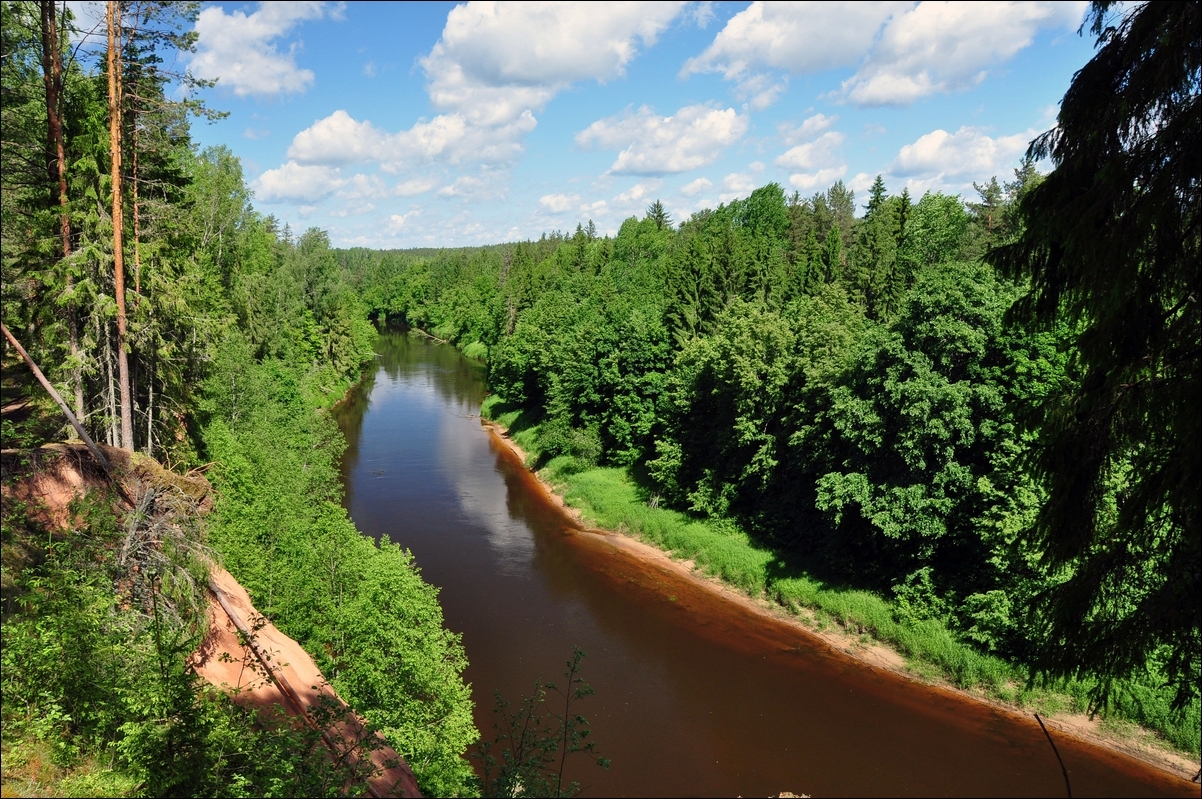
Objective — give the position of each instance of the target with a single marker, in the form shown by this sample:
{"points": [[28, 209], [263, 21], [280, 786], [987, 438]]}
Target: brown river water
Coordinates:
{"points": [[695, 695]]}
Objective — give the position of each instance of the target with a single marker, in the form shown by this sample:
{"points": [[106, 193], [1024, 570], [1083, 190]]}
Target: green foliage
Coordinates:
{"points": [[1110, 243], [534, 742], [95, 674], [362, 611]]}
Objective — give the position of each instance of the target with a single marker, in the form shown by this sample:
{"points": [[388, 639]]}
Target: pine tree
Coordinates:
{"points": [[657, 214]]}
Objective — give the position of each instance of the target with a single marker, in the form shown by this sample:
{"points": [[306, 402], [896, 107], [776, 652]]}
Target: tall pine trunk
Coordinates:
{"points": [[115, 144], [52, 77]]}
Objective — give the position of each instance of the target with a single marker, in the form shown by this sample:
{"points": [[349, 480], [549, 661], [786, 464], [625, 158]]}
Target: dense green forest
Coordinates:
{"points": [[967, 428], [207, 336]]}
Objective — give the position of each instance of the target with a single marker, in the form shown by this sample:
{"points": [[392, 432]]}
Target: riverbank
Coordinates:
{"points": [[844, 622]]}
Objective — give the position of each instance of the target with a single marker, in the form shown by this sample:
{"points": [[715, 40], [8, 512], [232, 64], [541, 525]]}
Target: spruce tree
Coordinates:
{"points": [[1110, 246]]}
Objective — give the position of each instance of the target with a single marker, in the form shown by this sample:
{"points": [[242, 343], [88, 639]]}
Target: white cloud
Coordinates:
{"points": [[942, 47], [696, 187], [912, 50], [496, 60], [811, 127], [737, 185], [818, 153], [738, 181], [369, 69], [364, 186], [237, 50], [296, 182], [487, 186], [702, 14], [558, 203], [798, 38], [354, 209], [821, 179], [397, 221], [653, 145], [861, 182], [340, 139], [817, 162], [761, 90], [639, 192], [414, 187], [952, 161]]}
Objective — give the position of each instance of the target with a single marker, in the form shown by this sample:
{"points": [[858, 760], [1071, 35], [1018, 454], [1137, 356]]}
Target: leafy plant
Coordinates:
{"points": [[534, 743]]}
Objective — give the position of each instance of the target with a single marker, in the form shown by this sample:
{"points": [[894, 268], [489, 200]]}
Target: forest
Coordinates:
{"points": [[182, 324], [969, 429]]}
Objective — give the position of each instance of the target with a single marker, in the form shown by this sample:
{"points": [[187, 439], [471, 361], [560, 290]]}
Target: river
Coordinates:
{"points": [[694, 695]]}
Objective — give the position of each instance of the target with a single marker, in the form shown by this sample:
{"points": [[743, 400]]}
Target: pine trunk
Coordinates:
{"points": [[56, 167], [115, 144], [150, 410], [133, 187]]}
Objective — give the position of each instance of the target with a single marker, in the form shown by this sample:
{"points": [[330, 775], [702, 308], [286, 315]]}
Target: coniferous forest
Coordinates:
{"points": [[968, 429]]}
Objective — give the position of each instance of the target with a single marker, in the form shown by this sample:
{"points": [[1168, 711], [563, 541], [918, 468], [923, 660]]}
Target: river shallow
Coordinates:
{"points": [[695, 696]]}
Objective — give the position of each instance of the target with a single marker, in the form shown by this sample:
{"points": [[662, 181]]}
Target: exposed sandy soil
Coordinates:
{"points": [[295, 685], [1139, 744], [280, 676]]}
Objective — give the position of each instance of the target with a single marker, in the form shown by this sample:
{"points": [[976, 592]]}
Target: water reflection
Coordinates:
{"points": [[484, 500]]}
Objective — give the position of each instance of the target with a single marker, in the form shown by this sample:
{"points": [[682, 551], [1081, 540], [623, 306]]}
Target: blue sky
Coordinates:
{"points": [[410, 125]]}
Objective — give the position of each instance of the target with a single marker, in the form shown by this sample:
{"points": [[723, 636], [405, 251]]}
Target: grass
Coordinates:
{"points": [[30, 769], [609, 498]]}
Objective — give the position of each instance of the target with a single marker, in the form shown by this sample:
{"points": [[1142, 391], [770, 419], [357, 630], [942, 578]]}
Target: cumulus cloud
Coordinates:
{"points": [[817, 163], [737, 185], [485, 186], [904, 50], [811, 127], [862, 182], [340, 139], [798, 38], [598, 208], [820, 152], [414, 187], [821, 179], [397, 221], [954, 160], [696, 187], [354, 209], [297, 182], [653, 145], [558, 203], [942, 47], [237, 49], [497, 60], [639, 192]]}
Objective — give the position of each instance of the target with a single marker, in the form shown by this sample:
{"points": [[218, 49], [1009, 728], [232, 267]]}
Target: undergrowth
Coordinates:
{"points": [[98, 697]]}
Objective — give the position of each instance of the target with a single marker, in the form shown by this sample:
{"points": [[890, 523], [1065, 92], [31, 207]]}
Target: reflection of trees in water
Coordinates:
{"points": [[455, 378], [349, 417]]}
